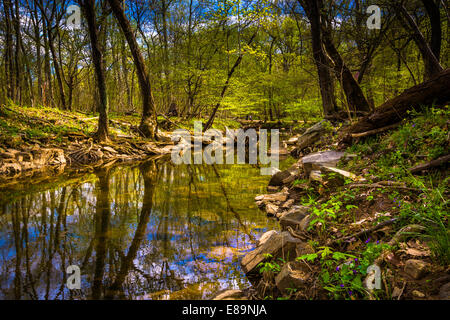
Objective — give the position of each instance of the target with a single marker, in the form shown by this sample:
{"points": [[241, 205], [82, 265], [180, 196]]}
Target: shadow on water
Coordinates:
{"points": [[149, 231]]}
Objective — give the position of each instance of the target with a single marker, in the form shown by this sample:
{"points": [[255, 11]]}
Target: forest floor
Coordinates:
{"points": [[383, 214], [36, 142]]}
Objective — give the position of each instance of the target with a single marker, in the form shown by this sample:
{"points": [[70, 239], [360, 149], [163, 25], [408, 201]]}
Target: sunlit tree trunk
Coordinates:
{"points": [[149, 125], [97, 57]]}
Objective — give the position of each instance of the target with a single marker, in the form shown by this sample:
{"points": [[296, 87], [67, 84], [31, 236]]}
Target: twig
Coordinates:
{"points": [[297, 235], [401, 292], [378, 185], [368, 231]]}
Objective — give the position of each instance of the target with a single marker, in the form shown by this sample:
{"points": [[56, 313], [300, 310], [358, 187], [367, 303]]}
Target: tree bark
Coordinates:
{"points": [[97, 57], [434, 16], [356, 100], [432, 65], [8, 50], [322, 62], [149, 125]]}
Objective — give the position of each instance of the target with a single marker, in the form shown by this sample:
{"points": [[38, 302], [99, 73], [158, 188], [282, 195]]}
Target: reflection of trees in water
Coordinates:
{"points": [[135, 231]]}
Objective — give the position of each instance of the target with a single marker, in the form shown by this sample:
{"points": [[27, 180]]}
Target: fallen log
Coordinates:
{"points": [[435, 163], [434, 91]]}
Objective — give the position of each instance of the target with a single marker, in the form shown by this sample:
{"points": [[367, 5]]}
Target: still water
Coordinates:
{"points": [[149, 231]]}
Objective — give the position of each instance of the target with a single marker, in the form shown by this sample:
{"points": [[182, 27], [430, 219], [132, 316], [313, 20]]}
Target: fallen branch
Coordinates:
{"points": [[301, 236], [367, 231], [379, 185], [375, 131], [435, 163], [162, 115]]}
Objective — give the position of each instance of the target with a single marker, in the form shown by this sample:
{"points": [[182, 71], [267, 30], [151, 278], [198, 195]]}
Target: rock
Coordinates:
{"points": [[304, 224], [444, 292], [294, 217], [278, 178], [303, 248], [271, 210], [278, 245], [288, 204], [260, 198], [285, 177], [416, 268], [418, 294], [280, 196], [265, 237], [316, 175], [312, 135], [58, 157], [13, 151], [293, 275], [230, 295], [317, 160]]}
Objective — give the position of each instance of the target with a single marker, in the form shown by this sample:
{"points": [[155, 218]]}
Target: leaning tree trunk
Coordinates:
{"points": [[431, 62], [356, 100], [227, 84], [149, 124], [435, 90]]}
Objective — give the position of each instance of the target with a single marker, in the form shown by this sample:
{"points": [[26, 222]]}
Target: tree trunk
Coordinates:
{"points": [[149, 125], [435, 90], [434, 16], [432, 65], [322, 62], [8, 50], [226, 85], [355, 97], [97, 58]]}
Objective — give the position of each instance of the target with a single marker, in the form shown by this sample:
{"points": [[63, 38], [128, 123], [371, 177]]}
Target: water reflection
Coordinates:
{"points": [[152, 231]]}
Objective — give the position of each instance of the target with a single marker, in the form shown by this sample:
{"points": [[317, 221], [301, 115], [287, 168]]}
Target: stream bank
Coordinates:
{"points": [[357, 221]]}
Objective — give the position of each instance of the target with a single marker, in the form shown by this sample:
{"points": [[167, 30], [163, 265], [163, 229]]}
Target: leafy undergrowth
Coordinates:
{"points": [[392, 198]]}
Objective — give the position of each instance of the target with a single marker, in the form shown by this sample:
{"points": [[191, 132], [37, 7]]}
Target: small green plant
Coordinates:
{"points": [[342, 274], [270, 266]]}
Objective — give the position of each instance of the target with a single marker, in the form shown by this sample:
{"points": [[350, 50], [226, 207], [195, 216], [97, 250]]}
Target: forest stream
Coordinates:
{"points": [[155, 230]]}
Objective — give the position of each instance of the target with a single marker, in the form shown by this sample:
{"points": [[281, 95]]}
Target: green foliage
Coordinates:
{"points": [[342, 274], [270, 266]]}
